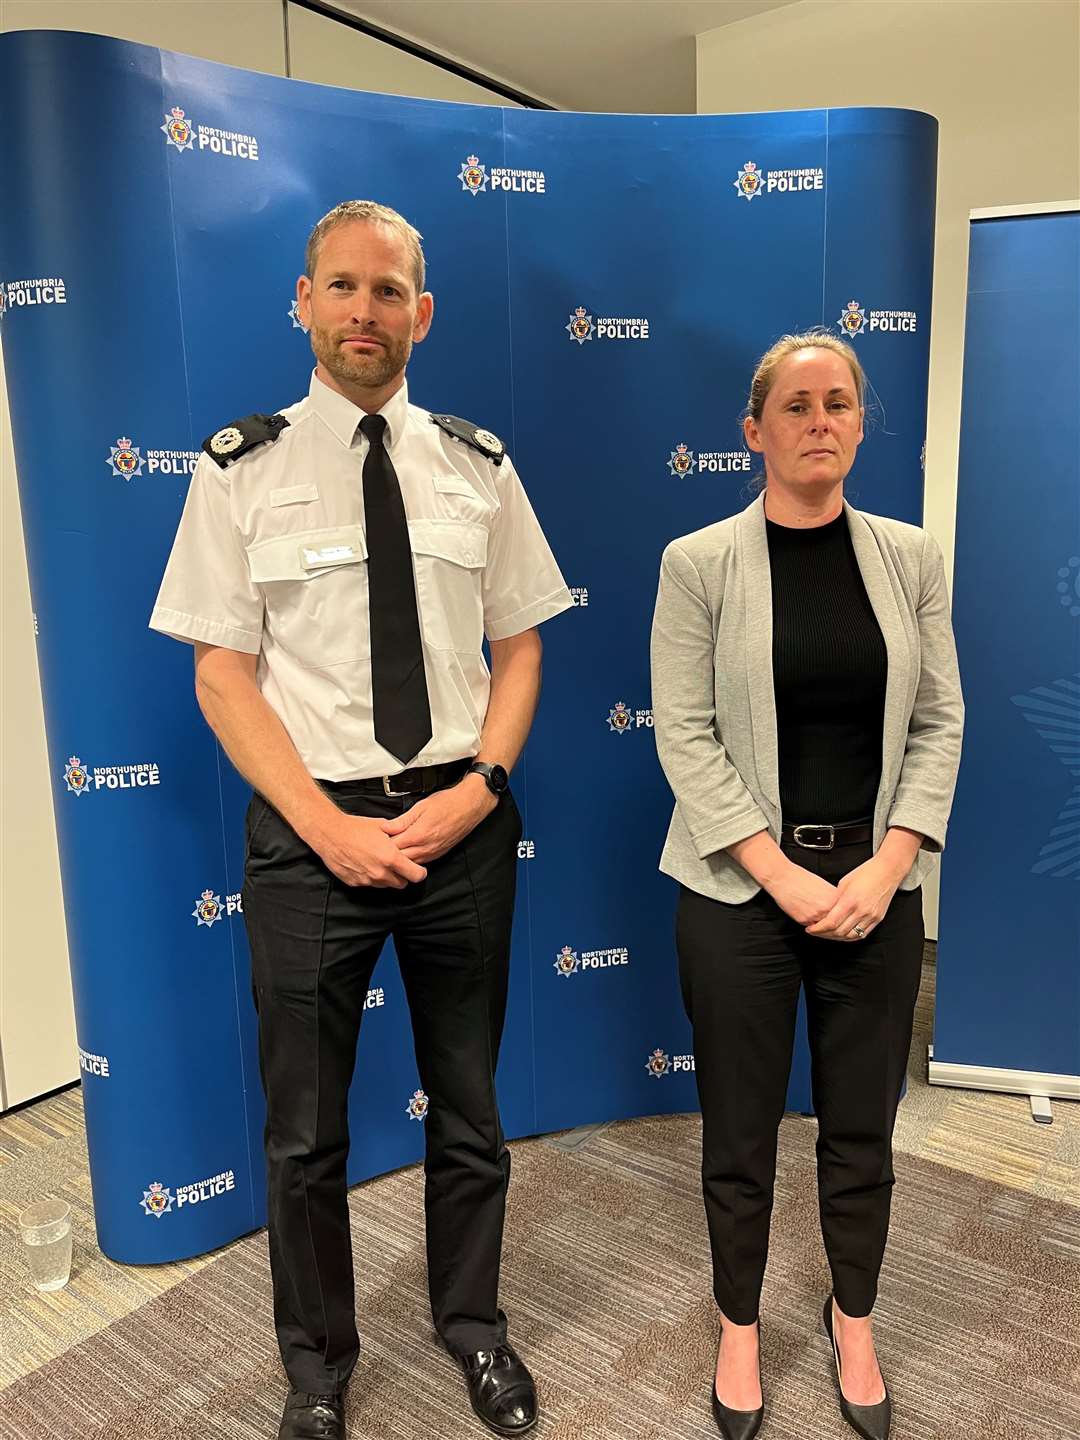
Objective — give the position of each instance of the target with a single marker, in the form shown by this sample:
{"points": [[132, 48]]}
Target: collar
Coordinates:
{"points": [[343, 417]]}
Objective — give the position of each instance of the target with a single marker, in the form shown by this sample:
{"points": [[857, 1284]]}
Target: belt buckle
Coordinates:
{"points": [[394, 794], [819, 830]]}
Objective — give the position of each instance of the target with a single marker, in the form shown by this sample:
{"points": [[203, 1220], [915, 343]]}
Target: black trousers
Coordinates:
{"points": [[314, 943], [741, 967]]}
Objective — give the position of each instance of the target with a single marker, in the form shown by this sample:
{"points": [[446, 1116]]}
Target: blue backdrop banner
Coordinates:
{"points": [[1008, 991], [604, 285]]}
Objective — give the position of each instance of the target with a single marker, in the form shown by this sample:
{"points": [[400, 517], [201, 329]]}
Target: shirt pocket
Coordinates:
{"points": [[449, 558], [453, 485], [293, 495], [456, 499], [315, 588]]}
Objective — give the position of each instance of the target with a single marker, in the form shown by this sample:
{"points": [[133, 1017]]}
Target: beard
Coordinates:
{"points": [[352, 368]]}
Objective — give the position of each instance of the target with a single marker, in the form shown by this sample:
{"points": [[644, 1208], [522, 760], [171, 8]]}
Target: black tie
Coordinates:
{"points": [[398, 684]]}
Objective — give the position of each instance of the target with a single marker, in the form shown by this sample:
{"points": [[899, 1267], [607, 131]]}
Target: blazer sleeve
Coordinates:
{"points": [[927, 780], [716, 805]]}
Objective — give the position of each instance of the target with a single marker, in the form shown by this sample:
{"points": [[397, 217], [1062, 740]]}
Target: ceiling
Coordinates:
{"points": [[614, 55]]}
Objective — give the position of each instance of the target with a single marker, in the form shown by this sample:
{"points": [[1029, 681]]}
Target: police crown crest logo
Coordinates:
{"points": [[853, 320], [682, 461], [207, 909], [75, 776], [566, 961], [157, 1201], [619, 718], [658, 1064], [124, 458], [473, 175], [581, 325], [748, 181], [178, 130], [417, 1107]]}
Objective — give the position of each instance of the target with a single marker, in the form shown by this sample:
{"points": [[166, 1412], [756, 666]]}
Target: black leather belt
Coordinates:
{"points": [[421, 780], [827, 837]]}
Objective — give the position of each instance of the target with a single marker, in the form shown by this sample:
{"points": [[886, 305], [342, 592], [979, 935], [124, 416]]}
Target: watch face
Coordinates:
{"points": [[499, 779]]}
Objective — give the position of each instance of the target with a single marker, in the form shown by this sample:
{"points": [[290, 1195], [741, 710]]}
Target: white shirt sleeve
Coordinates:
{"points": [[522, 583], [207, 593]]}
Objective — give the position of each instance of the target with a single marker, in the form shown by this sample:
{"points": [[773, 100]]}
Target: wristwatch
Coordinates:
{"points": [[495, 777]]}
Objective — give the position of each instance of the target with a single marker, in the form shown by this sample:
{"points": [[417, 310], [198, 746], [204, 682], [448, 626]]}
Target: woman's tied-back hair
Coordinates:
{"points": [[787, 345]]}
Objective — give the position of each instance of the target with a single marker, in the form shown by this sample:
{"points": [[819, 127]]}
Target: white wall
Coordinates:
{"points": [[237, 32], [1003, 80], [37, 1032], [37, 1026], [329, 53]]}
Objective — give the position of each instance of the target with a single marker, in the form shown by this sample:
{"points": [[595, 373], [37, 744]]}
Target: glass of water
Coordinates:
{"points": [[46, 1230]]}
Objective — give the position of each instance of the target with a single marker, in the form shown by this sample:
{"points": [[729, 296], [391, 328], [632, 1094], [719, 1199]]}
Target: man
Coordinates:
{"points": [[337, 567]]}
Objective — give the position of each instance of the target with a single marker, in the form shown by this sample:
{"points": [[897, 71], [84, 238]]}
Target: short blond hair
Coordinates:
{"points": [[374, 214], [787, 345]]}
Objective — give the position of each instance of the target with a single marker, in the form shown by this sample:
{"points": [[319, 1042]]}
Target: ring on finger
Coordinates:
{"points": [[858, 932]]}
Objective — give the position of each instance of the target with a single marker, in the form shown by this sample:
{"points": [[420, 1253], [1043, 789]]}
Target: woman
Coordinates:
{"points": [[808, 718]]}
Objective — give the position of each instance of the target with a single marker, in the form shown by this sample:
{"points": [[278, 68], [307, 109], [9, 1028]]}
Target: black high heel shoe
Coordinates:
{"points": [[737, 1424], [870, 1421]]}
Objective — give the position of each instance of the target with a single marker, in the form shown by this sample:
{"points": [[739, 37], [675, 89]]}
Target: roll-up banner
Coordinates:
{"points": [[604, 285], [1008, 991]]}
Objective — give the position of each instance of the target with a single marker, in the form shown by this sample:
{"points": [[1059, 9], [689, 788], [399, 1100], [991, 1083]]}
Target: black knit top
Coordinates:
{"points": [[829, 670]]}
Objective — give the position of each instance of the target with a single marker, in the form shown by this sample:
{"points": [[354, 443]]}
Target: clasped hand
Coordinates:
{"points": [[831, 912], [393, 853]]}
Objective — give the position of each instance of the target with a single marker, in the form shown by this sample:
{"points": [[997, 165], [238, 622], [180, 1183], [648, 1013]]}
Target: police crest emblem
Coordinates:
{"points": [[417, 1107], [294, 316], [581, 325], [124, 459], [853, 320], [178, 130], [619, 718], [473, 175], [682, 461], [156, 1201], [227, 440], [748, 181], [75, 776], [208, 909], [566, 961], [485, 437], [657, 1064]]}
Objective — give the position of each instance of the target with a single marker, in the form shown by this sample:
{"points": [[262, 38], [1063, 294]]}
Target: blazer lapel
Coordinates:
{"points": [[879, 588], [757, 610]]}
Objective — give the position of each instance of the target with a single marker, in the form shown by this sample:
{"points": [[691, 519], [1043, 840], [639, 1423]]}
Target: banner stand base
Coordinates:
{"points": [[1039, 1087]]}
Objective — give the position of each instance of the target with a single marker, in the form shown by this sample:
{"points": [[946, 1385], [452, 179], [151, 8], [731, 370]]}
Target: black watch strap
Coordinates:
{"points": [[495, 777]]}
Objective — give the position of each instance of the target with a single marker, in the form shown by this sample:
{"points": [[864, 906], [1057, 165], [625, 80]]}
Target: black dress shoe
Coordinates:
{"points": [[870, 1421], [312, 1417], [736, 1424], [501, 1390]]}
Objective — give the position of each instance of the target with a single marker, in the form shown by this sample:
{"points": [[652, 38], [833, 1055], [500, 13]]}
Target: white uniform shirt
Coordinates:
{"points": [[269, 559]]}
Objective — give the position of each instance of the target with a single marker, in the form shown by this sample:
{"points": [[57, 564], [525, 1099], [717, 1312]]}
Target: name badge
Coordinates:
{"points": [[341, 554]]}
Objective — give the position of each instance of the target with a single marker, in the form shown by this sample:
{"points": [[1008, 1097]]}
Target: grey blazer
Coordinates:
{"points": [[715, 712]]}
